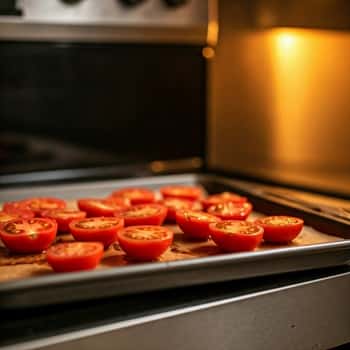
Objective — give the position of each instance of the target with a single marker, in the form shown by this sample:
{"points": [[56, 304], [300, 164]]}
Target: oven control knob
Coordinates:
{"points": [[131, 2], [174, 3]]}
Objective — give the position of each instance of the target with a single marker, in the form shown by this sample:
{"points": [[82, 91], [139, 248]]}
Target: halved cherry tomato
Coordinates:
{"points": [[195, 224], [136, 195], [74, 256], [223, 197], [145, 242], [99, 229], [280, 229], [174, 204], [236, 236], [101, 207], [143, 214], [231, 211], [6, 217], [185, 192], [63, 217], [19, 213], [37, 205], [28, 236]]}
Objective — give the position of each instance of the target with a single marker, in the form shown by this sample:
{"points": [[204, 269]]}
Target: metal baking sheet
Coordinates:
{"points": [[70, 287]]}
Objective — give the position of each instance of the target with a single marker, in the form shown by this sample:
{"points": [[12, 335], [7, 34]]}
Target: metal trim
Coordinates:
{"points": [[213, 23], [63, 338], [31, 31], [111, 21]]}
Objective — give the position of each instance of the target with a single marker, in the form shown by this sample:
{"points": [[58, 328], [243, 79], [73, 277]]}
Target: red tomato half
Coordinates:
{"points": [[136, 195], [145, 242], [99, 229], [223, 197], [174, 204], [37, 205], [236, 236], [101, 207], [6, 217], [195, 224], [74, 256], [17, 209], [143, 214], [28, 236], [280, 229], [185, 192], [231, 211], [63, 217], [11, 209]]}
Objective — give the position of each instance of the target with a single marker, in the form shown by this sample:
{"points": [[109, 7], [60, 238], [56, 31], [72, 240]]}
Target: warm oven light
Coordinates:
{"points": [[285, 40]]}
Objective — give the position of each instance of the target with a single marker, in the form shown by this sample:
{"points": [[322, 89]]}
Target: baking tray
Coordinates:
{"points": [[144, 277]]}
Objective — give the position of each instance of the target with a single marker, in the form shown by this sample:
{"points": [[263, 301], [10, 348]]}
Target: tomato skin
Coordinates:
{"points": [[24, 243], [280, 232], [19, 213], [87, 257], [145, 249], [174, 204], [101, 207], [193, 227], [106, 235], [63, 217], [185, 192], [37, 204], [231, 211], [136, 195], [237, 241], [224, 197], [156, 218]]}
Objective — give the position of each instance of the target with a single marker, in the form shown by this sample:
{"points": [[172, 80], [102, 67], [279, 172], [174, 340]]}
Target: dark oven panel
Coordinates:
{"points": [[120, 102]]}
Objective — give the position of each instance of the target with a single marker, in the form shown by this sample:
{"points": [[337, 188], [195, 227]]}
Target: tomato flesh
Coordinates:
{"points": [[28, 236], [145, 242], [98, 229], [101, 207], [143, 214], [5, 217], [236, 236], [280, 229], [13, 209], [231, 211], [37, 205], [195, 224], [74, 256], [174, 204], [63, 217], [224, 197], [136, 195], [184, 192]]}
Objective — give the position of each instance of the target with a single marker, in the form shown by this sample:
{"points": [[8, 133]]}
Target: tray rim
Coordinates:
{"points": [[208, 261]]}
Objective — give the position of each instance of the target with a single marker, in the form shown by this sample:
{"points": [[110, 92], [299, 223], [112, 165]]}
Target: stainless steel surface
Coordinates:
{"points": [[307, 315], [279, 105], [155, 276], [109, 20], [130, 170]]}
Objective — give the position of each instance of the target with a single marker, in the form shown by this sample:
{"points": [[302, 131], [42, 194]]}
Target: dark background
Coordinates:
{"points": [[102, 103]]}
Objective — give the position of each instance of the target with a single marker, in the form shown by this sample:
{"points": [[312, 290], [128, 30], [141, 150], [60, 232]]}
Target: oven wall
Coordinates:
{"points": [[280, 102]]}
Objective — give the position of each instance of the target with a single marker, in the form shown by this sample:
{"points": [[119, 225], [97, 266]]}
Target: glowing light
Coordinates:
{"points": [[208, 52], [285, 40], [291, 66]]}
